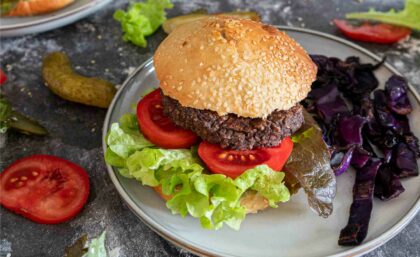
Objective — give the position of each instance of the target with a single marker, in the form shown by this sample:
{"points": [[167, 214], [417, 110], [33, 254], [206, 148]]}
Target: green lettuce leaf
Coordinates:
{"points": [[142, 19], [214, 199], [128, 123], [408, 17], [123, 139], [113, 159], [144, 164], [266, 182], [97, 247]]}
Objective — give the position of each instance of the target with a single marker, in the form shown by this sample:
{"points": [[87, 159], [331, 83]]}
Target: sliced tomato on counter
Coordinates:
{"points": [[233, 163], [44, 188], [377, 33], [158, 128], [3, 77]]}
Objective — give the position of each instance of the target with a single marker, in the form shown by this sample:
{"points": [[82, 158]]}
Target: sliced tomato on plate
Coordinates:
{"points": [[44, 188], [233, 163], [157, 127], [377, 33]]}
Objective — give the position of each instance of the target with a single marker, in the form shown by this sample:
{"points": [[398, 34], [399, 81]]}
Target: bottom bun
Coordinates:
{"points": [[33, 7], [251, 200]]}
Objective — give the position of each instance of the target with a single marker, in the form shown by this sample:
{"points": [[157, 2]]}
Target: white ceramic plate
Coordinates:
{"points": [[17, 26], [291, 230]]}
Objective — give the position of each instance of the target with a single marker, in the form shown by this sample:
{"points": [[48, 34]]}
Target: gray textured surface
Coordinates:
{"points": [[95, 46]]}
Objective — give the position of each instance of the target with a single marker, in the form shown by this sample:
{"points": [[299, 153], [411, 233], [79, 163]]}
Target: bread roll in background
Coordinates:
{"points": [[34, 7]]}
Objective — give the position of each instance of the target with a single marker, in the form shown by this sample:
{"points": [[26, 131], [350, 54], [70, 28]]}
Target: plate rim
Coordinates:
{"points": [[51, 18], [163, 232]]}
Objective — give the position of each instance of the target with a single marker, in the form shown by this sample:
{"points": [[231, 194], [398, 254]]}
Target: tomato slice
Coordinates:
{"points": [[158, 128], [3, 77], [44, 188], [377, 33], [233, 163]]}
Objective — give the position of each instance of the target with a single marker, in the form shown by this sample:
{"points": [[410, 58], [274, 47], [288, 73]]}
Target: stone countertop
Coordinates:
{"points": [[94, 45]]}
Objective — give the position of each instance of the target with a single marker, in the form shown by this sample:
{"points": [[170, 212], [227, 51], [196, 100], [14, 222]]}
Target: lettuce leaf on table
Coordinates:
{"points": [[212, 198], [96, 248], [408, 17], [142, 20]]}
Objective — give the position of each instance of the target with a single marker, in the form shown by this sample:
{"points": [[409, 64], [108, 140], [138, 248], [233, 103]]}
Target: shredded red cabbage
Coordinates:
{"points": [[349, 133], [356, 230]]}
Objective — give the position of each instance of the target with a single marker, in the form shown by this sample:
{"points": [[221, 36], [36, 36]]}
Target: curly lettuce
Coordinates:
{"points": [[142, 20], [214, 199], [408, 17]]}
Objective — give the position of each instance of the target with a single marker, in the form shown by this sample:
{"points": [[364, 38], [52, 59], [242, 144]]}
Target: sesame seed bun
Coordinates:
{"points": [[232, 65]]}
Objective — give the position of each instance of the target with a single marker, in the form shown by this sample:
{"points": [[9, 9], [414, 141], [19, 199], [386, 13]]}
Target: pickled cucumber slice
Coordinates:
{"points": [[25, 125], [61, 79]]}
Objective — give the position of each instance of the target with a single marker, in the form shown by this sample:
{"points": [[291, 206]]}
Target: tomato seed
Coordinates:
{"points": [[251, 157], [222, 155], [243, 158], [13, 180], [230, 158], [23, 178], [19, 184], [34, 173]]}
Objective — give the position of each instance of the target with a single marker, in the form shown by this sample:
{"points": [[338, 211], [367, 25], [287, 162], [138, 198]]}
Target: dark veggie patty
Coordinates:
{"points": [[233, 132]]}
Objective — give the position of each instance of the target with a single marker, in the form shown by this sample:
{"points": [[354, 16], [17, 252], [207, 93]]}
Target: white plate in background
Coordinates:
{"points": [[18, 26]]}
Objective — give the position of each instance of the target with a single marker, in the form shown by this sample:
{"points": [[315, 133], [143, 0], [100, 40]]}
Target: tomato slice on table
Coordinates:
{"points": [[44, 188], [3, 77], [377, 33], [157, 127], [233, 163]]}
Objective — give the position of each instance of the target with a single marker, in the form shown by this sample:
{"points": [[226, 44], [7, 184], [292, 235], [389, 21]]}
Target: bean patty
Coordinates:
{"points": [[233, 132]]}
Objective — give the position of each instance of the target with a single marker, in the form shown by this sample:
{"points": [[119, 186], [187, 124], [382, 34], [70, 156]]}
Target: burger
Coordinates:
{"points": [[234, 83], [229, 90]]}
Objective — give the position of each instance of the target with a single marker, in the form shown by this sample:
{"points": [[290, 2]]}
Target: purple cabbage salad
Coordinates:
{"points": [[354, 115]]}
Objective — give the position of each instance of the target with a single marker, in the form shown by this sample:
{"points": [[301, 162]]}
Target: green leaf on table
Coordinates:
{"points": [[96, 248], [407, 17], [142, 19]]}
